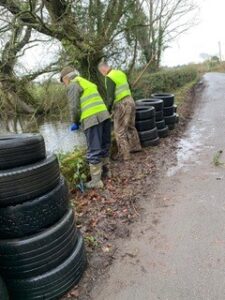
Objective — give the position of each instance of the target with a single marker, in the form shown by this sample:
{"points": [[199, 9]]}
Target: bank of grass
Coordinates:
{"points": [[181, 93]]}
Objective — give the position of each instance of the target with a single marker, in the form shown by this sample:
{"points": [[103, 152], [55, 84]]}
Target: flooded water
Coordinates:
{"points": [[57, 135], [188, 147]]}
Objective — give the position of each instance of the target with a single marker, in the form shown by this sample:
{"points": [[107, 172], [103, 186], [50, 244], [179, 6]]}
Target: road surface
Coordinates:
{"points": [[177, 250]]}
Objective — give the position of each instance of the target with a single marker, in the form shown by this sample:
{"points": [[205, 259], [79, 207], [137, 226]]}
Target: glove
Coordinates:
{"points": [[74, 127]]}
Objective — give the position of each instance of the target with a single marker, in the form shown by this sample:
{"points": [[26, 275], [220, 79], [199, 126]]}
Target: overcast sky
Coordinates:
{"points": [[202, 38]]}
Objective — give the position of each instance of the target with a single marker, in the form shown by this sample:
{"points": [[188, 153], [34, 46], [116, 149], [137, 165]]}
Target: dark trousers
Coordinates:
{"points": [[98, 141]]}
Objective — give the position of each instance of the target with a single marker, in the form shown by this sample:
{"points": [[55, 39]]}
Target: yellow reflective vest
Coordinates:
{"points": [[91, 102], [122, 86]]}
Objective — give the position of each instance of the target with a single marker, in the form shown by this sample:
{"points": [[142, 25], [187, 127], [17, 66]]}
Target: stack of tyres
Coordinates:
{"points": [[42, 254], [162, 128], [146, 126], [170, 109]]}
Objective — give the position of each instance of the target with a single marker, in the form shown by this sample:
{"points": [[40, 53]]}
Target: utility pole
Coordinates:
{"points": [[220, 51]]}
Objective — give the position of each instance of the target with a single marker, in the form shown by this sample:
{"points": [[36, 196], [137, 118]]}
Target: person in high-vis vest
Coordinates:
{"points": [[122, 106], [89, 110]]}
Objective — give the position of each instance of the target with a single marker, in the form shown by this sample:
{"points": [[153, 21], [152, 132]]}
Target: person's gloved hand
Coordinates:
{"points": [[74, 127]]}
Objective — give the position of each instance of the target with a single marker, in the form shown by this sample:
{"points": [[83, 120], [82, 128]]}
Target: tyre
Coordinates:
{"points": [[160, 124], [156, 103], [177, 118], [55, 282], [151, 143], [168, 99], [168, 111], [35, 255], [145, 124], [163, 132], [3, 291], [24, 183], [171, 126], [32, 216], [144, 113], [20, 150], [170, 119], [159, 116], [175, 108], [148, 134]]}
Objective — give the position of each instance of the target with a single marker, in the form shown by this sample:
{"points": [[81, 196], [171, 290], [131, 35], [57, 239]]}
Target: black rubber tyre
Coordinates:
{"points": [[156, 103], [163, 132], [171, 126], [144, 113], [20, 150], [32, 216], [168, 99], [3, 291], [54, 283], [170, 119], [24, 183], [148, 134], [175, 108], [160, 124], [177, 118], [151, 143], [168, 111], [159, 116], [35, 255], [145, 124]]}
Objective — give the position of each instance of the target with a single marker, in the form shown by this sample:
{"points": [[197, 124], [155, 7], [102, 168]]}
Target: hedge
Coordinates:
{"points": [[164, 81]]}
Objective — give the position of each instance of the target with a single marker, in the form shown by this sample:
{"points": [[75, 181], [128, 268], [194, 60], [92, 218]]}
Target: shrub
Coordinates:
{"points": [[74, 166], [164, 81]]}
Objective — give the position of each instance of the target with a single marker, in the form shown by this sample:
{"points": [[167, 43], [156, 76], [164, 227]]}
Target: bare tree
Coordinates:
{"points": [[88, 30], [16, 39], [163, 21]]}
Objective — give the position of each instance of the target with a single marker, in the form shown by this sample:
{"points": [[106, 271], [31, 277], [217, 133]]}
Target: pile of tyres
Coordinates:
{"points": [[169, 109], [155, 117], [42, 254]]}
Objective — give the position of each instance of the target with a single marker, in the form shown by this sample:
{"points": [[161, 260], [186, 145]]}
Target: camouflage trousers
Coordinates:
{"points": [[124, 127]]}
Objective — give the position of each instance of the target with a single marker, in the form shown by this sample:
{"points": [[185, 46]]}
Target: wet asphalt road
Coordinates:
{"points": [[177, 250]]}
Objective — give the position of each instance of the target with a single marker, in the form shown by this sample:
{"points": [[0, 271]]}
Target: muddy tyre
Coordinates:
{"points": [[177, 118], [156, 103], [144, 113], [163, 132], [171, 126], [159, 116], [32, 216], [3, 291], [168, 99], [151, 143], [20, 150], [24, 183], [54, 283], [168, 111], [145, 124], [35, 255], [175, 108], [160, 124], [170, 119], [148, 134]]}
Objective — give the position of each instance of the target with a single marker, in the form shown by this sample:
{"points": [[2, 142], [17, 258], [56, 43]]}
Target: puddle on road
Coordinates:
{"points": [[188, 147]]}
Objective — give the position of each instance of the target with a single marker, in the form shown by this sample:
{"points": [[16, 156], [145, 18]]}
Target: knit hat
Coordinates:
{"points": [[65, 71]]}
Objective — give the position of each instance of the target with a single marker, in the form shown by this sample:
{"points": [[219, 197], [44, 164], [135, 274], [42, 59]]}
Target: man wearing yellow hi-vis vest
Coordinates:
{"points": [[122, 106], [89, 110]]}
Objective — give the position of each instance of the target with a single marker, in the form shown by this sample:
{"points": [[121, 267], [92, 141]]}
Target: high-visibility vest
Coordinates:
{"points": [[122, 86], [91, 103]]}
